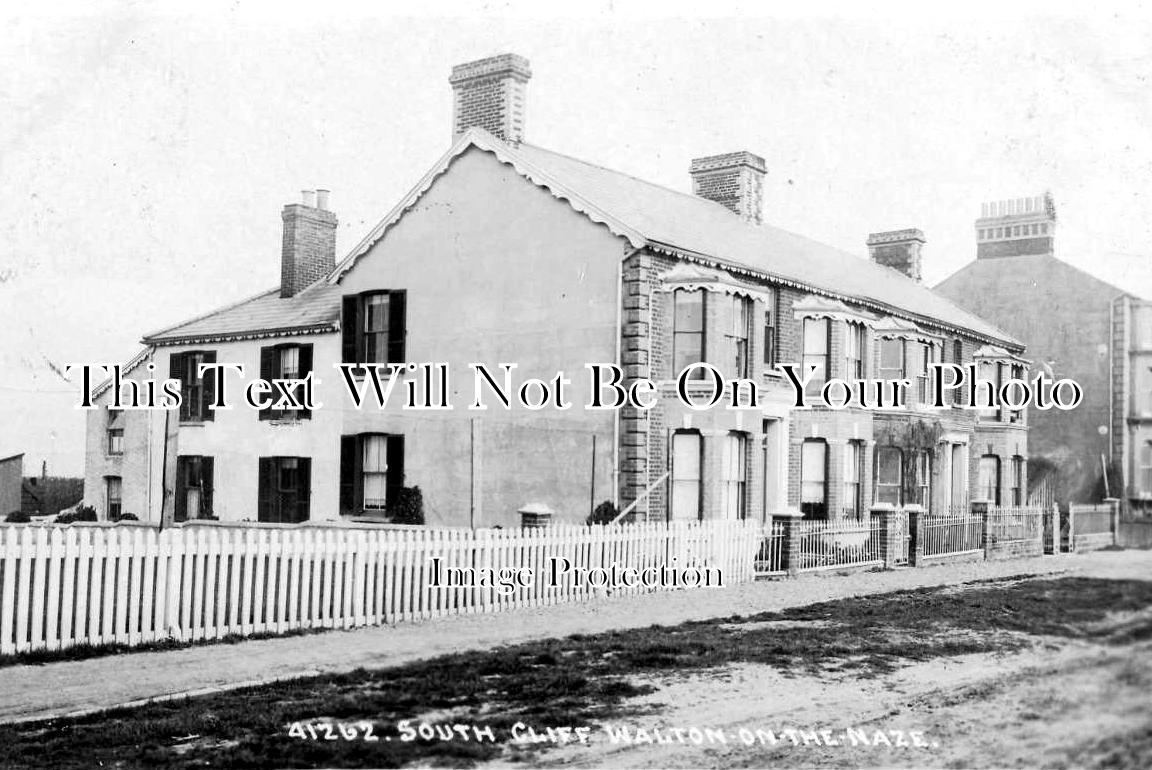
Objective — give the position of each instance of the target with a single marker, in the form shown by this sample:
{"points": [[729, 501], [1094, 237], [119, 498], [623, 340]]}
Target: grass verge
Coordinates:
{"points": [[89, 651], [576, 681]]}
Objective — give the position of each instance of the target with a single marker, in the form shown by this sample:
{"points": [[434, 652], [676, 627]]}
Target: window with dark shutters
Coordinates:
{"points": [[207, 467], [266, 490], [207, 387], [268, 373], [395, 468], [351, 491], [350, 329], [371, 472], [374, 327], [193, 487], [196, 392], [272, 367], [305, 362], [397, 332], [302, 503], [284, 489]]}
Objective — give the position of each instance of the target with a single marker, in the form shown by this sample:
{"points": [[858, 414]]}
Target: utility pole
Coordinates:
{"points": [[592, 488], [476, 510]]}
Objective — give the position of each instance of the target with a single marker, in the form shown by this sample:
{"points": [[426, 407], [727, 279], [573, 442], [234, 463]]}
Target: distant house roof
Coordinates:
{"points": [[6, 458], [647, 215], [1014, 275]]}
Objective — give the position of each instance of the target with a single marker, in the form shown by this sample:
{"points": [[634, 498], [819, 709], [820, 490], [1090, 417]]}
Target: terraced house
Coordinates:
{"points": [[506, 252]]}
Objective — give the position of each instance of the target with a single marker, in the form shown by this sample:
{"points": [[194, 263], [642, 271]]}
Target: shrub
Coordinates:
{"points": [[126, 517], [17, 517], [604, 513], [408, 508], [82, 513]]}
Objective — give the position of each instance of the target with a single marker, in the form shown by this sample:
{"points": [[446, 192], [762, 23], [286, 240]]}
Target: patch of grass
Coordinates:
{"points": [[1117, 753], [88, 651], [575, 681]]}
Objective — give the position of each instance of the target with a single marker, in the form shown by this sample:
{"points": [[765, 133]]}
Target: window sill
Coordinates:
{"points": [[193, 423]]}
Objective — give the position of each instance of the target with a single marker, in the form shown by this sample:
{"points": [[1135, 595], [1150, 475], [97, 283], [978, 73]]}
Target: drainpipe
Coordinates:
{"points": [[1111, 379]]}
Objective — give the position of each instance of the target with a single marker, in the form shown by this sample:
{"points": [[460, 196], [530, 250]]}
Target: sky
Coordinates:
{"points": [[145, 156]]}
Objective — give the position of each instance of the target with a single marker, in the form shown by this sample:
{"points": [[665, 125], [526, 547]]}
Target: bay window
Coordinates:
{"points": [[816, 347], [891, 359], [989, 479], [687, 331], [890, 476], [735, 475], [853, 477], [814, 479], [687, 459], [854, 345]]}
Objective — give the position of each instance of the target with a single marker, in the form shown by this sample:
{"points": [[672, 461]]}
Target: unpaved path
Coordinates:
{"points": [[1073, 705], [1069, 707], [1059, 702], [57, 689]]}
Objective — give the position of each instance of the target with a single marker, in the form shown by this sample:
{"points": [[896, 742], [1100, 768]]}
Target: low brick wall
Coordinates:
{"points": [[1092, 542], [963, 557], [1016, 549], [1136, 534]]}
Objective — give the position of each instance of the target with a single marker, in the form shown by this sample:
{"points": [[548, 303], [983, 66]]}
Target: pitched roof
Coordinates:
{"points": [[142, 356], [315, 309], [1014, 275], [647, 215], [650, 215]]}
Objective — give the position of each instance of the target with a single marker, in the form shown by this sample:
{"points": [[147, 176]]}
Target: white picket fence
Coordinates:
{"points": [[63, 586]]}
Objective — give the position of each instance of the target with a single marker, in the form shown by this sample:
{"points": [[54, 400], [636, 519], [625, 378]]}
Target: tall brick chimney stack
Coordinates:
{"points": [[898, 249], [1017, 228], [308, 251], [489, 93], [734, 180]]}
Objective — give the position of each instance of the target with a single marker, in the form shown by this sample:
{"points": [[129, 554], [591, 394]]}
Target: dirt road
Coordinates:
{"points": [[1056, 702], [72, 687], [1048, 670]]}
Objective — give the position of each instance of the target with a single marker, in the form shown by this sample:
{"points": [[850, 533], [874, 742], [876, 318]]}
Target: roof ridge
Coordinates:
{"points": [[642, 180], [736, 220]]}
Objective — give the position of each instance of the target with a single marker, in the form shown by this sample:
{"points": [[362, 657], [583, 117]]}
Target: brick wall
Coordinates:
{"points": [[308, 247], [490, 94], [647, 345]]}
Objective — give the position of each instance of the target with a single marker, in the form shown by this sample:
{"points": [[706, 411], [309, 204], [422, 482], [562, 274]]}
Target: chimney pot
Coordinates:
{"points": [[322, 199], [899, 250], [489, 94], [1016, 227], [308, 198], [735, 180]]}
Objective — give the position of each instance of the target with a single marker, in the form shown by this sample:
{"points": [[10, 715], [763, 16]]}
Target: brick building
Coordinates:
{"points": [[508, 252], [1076, 326]]}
